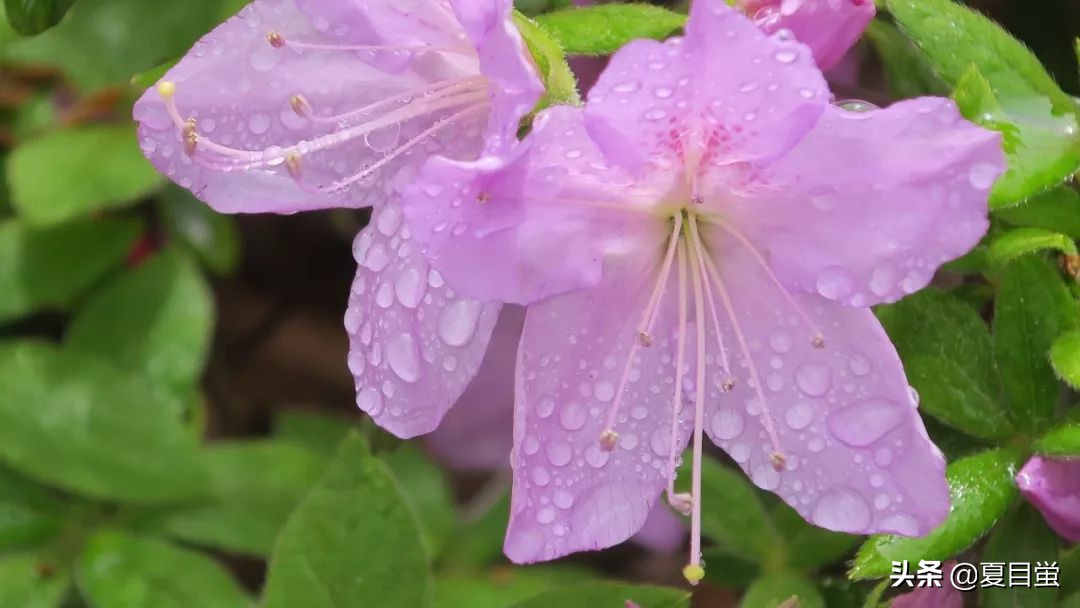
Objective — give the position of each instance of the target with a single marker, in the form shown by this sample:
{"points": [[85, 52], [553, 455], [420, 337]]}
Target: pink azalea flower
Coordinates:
{"points": [[1053, 486], [307, 104], [945, 596], [699, 245], [829, 27]]}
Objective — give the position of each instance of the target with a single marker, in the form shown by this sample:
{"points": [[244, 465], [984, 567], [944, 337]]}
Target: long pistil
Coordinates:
{"points": [[681, 502], [694, 572]]}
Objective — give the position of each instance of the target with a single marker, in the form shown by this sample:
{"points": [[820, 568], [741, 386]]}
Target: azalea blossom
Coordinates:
{"points": [[295, 105], [1053, 486], [829, 27], [698, 246]]}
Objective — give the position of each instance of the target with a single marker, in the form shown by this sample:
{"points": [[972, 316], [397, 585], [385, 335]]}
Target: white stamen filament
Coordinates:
{"points": [[649, 318], [440, 89], [678, 501], [699, 406]]}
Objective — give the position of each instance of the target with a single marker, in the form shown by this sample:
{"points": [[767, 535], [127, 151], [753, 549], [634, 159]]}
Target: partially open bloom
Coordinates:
{"points": [[829, 27], [306, 104], [1053, 486], [699, 245]]}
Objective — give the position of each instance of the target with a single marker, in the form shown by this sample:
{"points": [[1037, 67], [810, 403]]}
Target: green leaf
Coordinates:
{"points": [[732, 514], [604, 29], [479, 540], [104, 42], [354, 541], [560, 85], [211, 236], [320, 433], [71, 420], [30, 17], [1057, 210], [118, 570], [72, 173], [1033, 306], [1023, 241], [425, 488], [155, 320], [1042, 146], [1061, 441], [29, 513], [1065, 357], [773, 590], [810, 547], [594, 595], [1070, 571], [48, 267], [1023, 536], [948, 355], [535, 7], [1002, 85], [23, 585], [254, 487], [906, 67], [503, 587], [982, 488], [726, 568]]}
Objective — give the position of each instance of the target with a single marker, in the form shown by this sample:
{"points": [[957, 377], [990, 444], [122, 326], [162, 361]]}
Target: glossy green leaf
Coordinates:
{"points": [[605, 28], [1023, 536], [594, 595], [771, 591], [155, 319], [948, 355], [504, 586], [560, 84], [29, 513], [1032, 308], [104, 42], [48, 267], [981, 486], [425, 488], [1022, 241], [74, 421], [906, 67], [24, 585], [1065, 357], [30, 17], [211, 236], [353, 542], [73, 173], [732, 515], [1061, 441], [1057, 210], [118, 570], [254, 487]]}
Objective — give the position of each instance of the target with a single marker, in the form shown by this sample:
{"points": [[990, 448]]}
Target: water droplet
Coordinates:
{"points": [[628, 441], [883, 279], [627, 87], [259, 123], [660, 441], [376, 258], [545, 515], [882, 502], [457, 322], [540, 476], [864, 423], [727, 424], [545, 407], [370, 401], [842, 510], [859, 364], [389, 220], [531, 445], [786, 56], [799, 416], [883, 456], [604, 391], [563, 498], [596, 456], [780, 342], [410, 288], [857, 105], [901, 524], [983, 175], [559, 453], [835, 283], [765, 476], [403, 357], [384, 139], [813, 379], [573, 416]]}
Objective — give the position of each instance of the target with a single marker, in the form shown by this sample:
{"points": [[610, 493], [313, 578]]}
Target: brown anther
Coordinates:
{"points": [[779, 461], [294, 165], [300, 105], [727, 385], [697, 200], [483, 197], [645, 338], [190, 136], [608, 440], [275, 39], [1071, 264], [818, 341]]}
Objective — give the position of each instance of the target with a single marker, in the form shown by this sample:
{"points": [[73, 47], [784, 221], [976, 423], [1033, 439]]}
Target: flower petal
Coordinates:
{"points": [[414, 344], [829, 27], [945, 596], [870, 204], [1053, 486], [663, 531], [569, 493], [726, 90], [523, 218], [477, 433], [288, 117], [858, 458]]}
